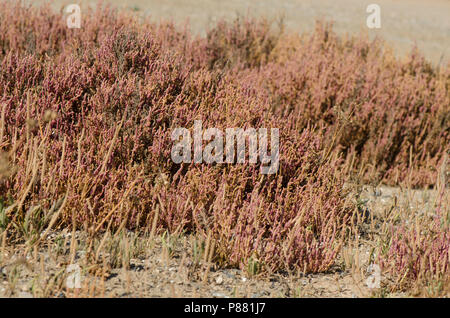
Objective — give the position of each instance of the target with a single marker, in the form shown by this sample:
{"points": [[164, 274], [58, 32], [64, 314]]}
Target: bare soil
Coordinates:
{"points": [[404, 23]]}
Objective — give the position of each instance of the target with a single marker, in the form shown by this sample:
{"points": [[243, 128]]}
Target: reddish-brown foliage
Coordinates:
{"points": [[88, 115]]}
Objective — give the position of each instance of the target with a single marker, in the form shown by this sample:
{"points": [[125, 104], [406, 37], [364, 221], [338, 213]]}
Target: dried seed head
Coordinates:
{"points": [[5, 166], [50, 115], [32, 123]]}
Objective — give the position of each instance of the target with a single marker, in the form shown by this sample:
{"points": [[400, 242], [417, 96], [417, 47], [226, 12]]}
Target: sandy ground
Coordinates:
{"points": [[133, 266], [403, 22]]}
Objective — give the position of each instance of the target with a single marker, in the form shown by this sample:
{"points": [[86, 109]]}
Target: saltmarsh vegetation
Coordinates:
{"points": [[87, 116]]}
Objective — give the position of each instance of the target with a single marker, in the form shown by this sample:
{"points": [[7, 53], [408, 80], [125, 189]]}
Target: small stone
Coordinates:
{"points": [[219, 280]]}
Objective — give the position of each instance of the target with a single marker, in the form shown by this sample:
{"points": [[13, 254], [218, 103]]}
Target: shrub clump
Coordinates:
{"points": [[87, 115]]}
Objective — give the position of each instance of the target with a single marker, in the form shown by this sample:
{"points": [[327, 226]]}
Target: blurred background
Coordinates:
{"points": [[404, 23]]}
